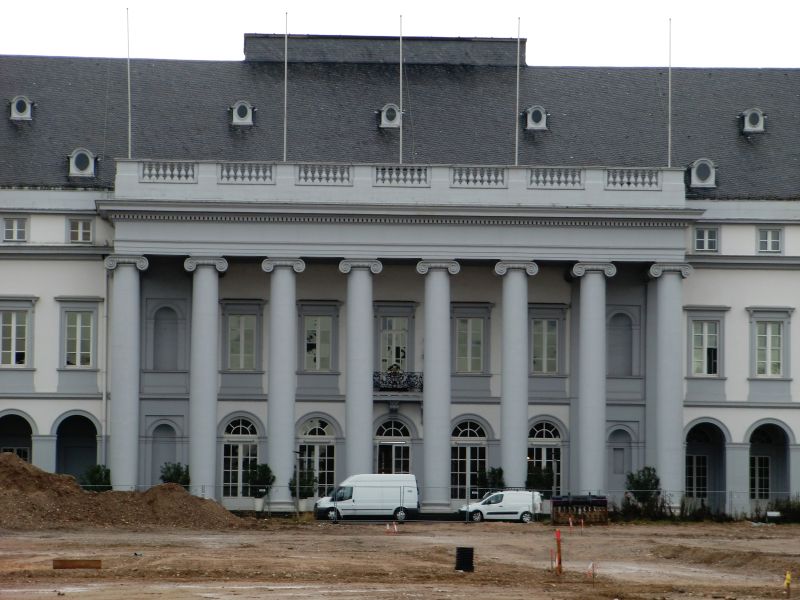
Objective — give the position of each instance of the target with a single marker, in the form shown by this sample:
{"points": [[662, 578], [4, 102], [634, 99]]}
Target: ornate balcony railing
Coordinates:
{"points": [[397, 381]]}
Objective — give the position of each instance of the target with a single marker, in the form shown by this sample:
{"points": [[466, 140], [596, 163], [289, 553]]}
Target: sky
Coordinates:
{"points": [[705, 33]]}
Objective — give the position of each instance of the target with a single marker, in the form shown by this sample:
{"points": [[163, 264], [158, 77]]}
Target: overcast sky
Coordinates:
{"points": [[705, 33]]}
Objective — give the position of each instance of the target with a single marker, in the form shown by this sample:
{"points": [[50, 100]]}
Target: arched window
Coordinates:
{"points": [[467, 459], [15, 436], [393, 441], [165, 340], [544, 458], [317, 453], [619, 352], [239, 456]]}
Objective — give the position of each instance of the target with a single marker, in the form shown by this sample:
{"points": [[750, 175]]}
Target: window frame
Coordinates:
{"points": [[405, 310], [756, 476], [781, 315], [557, 312], [318, 308], [471, 310], [705, 314], [769, 240], [706, 239], [24, 304], [24, 229], [79, 305], [238, 308], [90, 229]]}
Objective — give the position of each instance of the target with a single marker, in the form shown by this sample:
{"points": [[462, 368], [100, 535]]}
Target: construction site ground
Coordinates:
{"points": [[164, 543]]}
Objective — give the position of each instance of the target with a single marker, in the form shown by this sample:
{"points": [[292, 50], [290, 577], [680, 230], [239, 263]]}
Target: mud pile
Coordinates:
{"points": [[34, 499]]}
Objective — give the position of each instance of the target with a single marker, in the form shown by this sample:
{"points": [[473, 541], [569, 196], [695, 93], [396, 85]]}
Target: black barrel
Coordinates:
{"points": [[464, 559]]}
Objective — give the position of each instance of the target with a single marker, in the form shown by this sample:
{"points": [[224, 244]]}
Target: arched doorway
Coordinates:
{"points": [[76, 446], [317, 453], [620, 461], [705, 467], [393, 441], [164, 450], [467, 458], [544, 458], [239, 456], [15, 436], [769, 462]]}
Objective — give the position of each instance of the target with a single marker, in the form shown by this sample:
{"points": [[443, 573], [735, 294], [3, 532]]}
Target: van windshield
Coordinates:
{"points": [[495, 499], [342, 493]]}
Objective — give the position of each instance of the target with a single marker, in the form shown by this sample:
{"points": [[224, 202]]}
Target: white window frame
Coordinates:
{"points": [[545, 449], [328, 309], [705, 363], [82, 228], [240, 433], [253, 310], [547, 313], [769, 240], [14, 305], [769, 341], [697, 476], [84, 326], [470, 313], [394, 310], [706, 239], [15, 229], [759, 472], [771, 318]]}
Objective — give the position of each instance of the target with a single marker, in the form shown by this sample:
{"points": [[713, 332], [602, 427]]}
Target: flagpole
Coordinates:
{"points": [[285, 81], [516, 107], [401, 89], [128, 35], [669, 100]]}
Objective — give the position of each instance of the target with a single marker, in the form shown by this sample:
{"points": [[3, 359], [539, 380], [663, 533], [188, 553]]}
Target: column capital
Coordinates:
{"points": [[658, 269], [268, 265], [580, 269], [191, 263], [503, 267], [112, 261], [424, 266], [375, 266]]}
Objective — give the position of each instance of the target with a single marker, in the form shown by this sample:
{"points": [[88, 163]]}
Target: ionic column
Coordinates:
{"points": [[204, 373], [282, 386], [360, 359], [123, 369], [514, 401], [670, 452], [436, 387], [591, 413]]}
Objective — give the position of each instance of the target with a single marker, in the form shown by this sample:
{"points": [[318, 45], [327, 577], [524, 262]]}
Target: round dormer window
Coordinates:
{"points": [[391, 114], [703, 171], [242, 110], [82, 161], [21, 105], [536, 115], [754, 118]]}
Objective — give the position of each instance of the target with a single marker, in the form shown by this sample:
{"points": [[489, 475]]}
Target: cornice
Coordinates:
{"points": [[743, 262], [375, 266], [113, 261], [268, 265], [503, 267], [191, 263]]}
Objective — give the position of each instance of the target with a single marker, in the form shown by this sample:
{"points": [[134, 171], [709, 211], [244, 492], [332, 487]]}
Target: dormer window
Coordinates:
{"points": [[242, 114], [21, 109], [536, 118], [703, 174], [753, 120], [390, 116], [81, 163]]}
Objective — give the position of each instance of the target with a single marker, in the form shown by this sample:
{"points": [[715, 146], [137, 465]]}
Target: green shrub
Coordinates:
{"points": [[644, 498], [175, 473], [788, 507], [308, 484], [96, 478], [260, 479]]}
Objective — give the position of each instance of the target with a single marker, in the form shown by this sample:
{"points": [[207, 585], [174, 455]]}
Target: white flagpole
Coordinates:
{"points": [[285, 82], [669, 100], [128, 33], [516, 107], [401, 89]]}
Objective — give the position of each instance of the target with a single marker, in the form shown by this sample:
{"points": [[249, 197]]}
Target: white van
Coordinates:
{"points": [[505, 505], [371, 495]]}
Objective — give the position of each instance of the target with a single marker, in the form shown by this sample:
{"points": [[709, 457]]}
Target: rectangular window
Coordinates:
{"points": [[13, 338], [14, 229], [705, 347], [80, 231], [79, 338], [318, 339], [696, 476], [705, 239], [769, 348], [769, 240], [394, 343], [241, 342], [469, 345], [544, 353], [759, 477]]}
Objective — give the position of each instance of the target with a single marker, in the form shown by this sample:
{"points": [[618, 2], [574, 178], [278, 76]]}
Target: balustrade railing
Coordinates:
{"points": [[633, 179], [397, 381], [555, 178], [168, 171], [247, 173], [478, 177], [324, 174], [386, 176]]}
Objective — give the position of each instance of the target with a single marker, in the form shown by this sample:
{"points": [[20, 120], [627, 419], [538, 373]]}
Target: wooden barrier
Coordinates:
{"points": [[79, 563], [592, 510]]}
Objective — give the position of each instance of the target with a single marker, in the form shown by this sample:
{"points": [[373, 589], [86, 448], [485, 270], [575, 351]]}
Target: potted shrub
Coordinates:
{"points": [[260, 479], [175, 473], [306, 487]]}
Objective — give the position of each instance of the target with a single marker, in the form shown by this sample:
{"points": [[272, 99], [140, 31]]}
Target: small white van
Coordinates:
{"points": [[505, 505], [371, 495]]}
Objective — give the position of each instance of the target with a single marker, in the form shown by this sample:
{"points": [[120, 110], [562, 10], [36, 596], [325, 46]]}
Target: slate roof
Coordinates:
{"points": [[455, 114]]}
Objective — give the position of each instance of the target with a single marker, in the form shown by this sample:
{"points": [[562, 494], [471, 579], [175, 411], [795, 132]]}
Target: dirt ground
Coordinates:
{"points": [[166, 544]]}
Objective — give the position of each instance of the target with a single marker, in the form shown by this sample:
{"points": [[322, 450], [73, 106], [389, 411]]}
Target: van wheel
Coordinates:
{"points": [[476, 516], [333, 514], [525, 517], [400, 514]]}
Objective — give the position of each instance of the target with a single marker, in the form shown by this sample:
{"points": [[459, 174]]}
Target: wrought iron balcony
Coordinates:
{"points": [[397, 381]]}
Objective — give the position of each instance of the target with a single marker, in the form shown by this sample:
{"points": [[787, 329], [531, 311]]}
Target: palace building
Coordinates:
{"points": [[284, 260]]}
